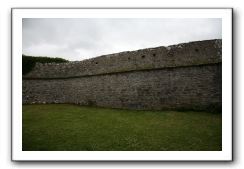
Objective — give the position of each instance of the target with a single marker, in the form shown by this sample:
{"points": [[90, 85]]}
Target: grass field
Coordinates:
{"points": [[66, 127]]}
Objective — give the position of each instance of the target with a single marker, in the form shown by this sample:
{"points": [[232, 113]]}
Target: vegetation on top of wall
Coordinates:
{"points": [[29, 62]]}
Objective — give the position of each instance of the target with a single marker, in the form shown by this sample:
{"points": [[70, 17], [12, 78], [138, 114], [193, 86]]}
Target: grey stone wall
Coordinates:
{"points": [[185, 76]]}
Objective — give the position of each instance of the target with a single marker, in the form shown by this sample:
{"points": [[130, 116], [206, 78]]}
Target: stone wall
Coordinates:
{"points": [[184, 76]]}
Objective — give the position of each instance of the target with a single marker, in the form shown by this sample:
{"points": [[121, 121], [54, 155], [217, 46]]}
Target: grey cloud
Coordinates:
{"points": [[77, 39]]}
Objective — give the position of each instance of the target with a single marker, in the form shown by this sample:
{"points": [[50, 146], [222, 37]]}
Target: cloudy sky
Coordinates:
{"points": [[78, 39]]}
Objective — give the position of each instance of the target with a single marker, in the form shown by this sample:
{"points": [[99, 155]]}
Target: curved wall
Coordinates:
{"points": [[184, 76]]}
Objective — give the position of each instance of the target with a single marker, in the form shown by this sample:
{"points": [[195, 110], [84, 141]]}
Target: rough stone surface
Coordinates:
{"points": [[185, 76]]}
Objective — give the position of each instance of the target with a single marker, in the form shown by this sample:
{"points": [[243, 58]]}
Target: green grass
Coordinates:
{"points": [[66, 127]]}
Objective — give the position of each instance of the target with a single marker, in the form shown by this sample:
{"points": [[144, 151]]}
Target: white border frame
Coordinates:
{"points": [[19, 155]]}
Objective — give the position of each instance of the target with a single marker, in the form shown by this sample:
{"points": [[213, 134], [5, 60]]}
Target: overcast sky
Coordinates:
{"points": [[78, 39]]}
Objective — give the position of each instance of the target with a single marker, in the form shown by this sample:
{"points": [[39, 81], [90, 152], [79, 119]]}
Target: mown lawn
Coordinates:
{"points": [[64, 127]]}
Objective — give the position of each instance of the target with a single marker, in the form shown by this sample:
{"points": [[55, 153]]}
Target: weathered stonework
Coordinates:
{"points": [[184, 76]]}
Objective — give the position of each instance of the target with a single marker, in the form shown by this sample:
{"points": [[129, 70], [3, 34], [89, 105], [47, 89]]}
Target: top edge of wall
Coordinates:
{"points": [[184, 54]]}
